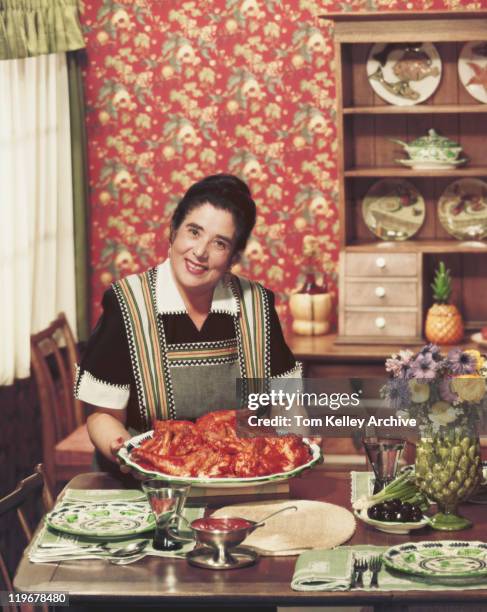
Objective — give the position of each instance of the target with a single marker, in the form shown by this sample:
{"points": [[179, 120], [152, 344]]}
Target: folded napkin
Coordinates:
{"points": [[103, 495], [314, 525], [323, 570], [362, 484]]}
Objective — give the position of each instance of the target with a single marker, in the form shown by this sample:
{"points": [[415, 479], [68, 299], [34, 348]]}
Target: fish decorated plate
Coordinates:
{"points": [[102, 519], [393, 209], [447, 562], [315, 456], [472, 69], [404, 74], [462, 209]]}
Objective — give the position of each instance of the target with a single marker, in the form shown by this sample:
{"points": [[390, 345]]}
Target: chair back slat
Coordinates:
{"points": [[54, 357], [26, 490]]}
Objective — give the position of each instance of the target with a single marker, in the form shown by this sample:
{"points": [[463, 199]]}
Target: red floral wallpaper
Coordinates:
{"points": [[177, 90]]}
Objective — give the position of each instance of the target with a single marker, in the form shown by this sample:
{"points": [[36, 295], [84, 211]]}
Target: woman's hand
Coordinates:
{"points": [[115, 446]]}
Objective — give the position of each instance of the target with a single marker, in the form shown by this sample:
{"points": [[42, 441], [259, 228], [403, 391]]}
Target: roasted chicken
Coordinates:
{"points": [[211, 448]]}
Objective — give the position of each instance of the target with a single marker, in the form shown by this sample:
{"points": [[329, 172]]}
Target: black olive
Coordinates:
{"points": [[407, 506], [399, 516], [395, 504], [376, 512], [389, 515], [416, 516]]}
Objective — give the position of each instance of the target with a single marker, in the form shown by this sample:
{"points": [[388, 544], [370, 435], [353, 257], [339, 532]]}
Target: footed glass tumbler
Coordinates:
{"points": [[167, 501]]}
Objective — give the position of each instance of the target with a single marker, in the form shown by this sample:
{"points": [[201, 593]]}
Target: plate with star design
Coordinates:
{"points": [[472, 68]]}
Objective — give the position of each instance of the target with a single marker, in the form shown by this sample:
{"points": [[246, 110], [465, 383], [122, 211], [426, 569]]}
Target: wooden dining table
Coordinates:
{"points": [[169, 583]]}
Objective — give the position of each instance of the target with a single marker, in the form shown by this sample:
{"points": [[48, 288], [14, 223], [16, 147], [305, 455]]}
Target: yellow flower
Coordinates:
{"points": [[442, 413], [420, 392], [479, 359], [469, 387]]}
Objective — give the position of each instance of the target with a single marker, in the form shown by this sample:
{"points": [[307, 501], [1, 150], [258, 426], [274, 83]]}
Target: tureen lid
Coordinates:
{"points": [[433, 139]]}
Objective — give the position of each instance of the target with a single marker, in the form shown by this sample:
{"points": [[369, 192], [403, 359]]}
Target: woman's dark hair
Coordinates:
{"points": [[223, 191]]}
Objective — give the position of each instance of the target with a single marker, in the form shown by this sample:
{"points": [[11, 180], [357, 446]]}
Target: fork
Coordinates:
{"points": [[375, 565], [359, 567]]}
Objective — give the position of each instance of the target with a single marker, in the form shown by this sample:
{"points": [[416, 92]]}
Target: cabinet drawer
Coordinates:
{"points": [[380, 323], [378, 293], [378, 264]]}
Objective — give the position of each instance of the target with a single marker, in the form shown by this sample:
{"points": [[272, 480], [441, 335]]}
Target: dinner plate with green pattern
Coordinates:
{"points": [[102, 519], [315, 456], [441, 561]]}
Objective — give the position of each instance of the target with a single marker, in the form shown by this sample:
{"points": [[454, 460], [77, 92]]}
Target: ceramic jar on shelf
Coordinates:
{"points": [[311, 308]]}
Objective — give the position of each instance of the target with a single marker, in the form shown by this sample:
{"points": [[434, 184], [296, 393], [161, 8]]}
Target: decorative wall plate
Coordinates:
{"points": [[446, 561], [102, 520], [472, 69], [462, 209], [479, 339], [393, 209], [404, 74]]}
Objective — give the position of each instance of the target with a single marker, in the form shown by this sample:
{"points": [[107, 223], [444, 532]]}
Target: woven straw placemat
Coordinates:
{"points": [[314, 525]]}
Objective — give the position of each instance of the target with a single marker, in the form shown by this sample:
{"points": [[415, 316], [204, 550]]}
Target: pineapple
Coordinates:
{"points": [[444, 323]]}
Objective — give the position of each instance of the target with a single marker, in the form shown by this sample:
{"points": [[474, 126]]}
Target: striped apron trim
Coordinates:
{"points": [[253, 329], [135, 294]]}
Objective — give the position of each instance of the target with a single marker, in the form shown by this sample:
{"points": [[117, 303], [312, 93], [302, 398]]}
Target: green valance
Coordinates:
{"points": [[37, 27]]}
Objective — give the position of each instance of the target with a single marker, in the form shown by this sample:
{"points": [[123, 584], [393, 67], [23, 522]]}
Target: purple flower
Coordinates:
{"points": [[433, 350], [460, 362], [397, 393], [400, 365], [424, 367]]}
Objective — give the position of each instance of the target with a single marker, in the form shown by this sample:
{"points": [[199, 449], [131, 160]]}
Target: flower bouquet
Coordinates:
{"points": [[445, 394]]}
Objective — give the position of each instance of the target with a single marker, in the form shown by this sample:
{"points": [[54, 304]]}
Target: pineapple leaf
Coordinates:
{"points": [[441, 284]]}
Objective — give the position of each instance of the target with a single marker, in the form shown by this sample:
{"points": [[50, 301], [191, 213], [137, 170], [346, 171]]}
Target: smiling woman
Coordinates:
{"points": [[172, 341]]}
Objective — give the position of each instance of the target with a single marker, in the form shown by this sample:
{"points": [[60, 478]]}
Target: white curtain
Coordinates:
{"points": [[36, 213]]}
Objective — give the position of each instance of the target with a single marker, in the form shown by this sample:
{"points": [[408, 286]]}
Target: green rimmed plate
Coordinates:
{"points": [[103, 519], [124, 455], [441, 561]]}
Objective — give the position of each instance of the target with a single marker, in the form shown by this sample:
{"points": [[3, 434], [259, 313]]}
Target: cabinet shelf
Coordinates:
{"points": [[398, 171], [425, 109], [419, 246]]}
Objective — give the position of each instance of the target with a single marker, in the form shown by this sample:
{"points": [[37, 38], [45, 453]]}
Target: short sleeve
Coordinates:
{"points": [[105, 376], [283, 362]]}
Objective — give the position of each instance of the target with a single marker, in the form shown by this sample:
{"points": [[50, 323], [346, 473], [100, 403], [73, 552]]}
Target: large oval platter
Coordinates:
{"points": [[124, 456]]}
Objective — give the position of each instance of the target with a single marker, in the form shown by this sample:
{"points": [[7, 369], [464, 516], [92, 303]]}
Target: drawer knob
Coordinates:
{"points": [[380, 292], [380, 322], [380, 262]]}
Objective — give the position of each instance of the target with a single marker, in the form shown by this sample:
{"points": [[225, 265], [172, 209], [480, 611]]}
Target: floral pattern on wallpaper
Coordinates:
{"points": [[178, 90]]}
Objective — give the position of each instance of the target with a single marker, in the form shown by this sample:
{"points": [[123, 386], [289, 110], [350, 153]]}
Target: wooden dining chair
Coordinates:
{"points": [[31, 489], [67, 449]]}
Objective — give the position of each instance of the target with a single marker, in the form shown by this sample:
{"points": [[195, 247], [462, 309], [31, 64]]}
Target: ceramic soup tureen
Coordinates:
{"points": [[431, 151]]}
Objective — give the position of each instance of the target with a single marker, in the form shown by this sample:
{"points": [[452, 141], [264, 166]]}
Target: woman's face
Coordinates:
{"points": [[203, 248]]}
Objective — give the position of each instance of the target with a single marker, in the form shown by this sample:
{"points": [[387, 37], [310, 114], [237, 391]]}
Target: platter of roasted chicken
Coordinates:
{"points": [[211, 452]]}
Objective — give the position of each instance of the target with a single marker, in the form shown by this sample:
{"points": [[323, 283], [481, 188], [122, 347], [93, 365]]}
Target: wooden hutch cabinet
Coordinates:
{"points": [[385, 285]]}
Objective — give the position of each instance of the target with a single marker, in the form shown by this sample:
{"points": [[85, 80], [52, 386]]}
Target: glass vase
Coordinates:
{"points": [[448, 470]]}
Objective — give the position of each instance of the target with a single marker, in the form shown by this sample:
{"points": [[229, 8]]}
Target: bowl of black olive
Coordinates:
{"points": [[394, 516]]}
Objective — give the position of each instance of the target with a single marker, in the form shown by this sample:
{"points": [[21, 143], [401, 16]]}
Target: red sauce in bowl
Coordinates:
{"points": [[220, 524]]}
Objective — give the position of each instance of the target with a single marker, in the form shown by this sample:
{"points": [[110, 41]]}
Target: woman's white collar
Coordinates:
{"points": [[169, 300]]}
